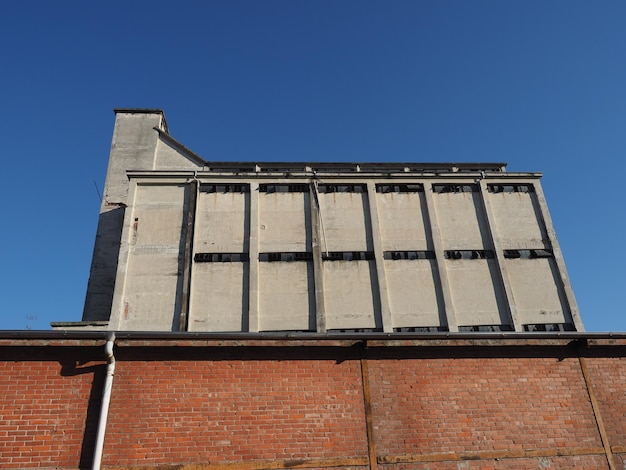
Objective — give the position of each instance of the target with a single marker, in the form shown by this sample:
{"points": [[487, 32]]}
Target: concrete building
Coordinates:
{"points": [[185, 244], [418, 268]]}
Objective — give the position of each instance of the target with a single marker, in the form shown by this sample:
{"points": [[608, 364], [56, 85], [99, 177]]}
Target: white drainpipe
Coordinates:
{"points": [[106, 399]]}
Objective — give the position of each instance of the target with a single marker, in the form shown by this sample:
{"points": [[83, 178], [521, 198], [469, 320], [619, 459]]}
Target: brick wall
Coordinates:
{"points": [[272, 404], [608, 375], [236, 408], [49, 404]]}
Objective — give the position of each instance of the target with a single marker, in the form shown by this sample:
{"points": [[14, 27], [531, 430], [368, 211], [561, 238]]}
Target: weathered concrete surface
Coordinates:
{"points": [[316, 247], [134, 147]]}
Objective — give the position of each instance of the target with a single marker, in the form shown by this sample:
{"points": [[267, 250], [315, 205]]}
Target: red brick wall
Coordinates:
{"points": [[233, 410], [452, 405], [608, 374], [44, 406], [495, 407]]}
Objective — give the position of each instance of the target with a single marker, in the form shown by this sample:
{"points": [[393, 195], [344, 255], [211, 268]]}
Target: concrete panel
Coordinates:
{"points": [[536, 291], [219, 301], [286, 296], [152, 284], [158, 216], [403, 220], [345, 221], [461, 220], [351, 295], [414, 295], [151, 303], [284, 222], [222, 223], [476, 294], [517, 221], [169, 158]]}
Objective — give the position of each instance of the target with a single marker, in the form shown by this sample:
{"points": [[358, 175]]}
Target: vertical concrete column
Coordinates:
{"points": [[188, 224], [440, 258], [558, 258], [253, 264], [128, 238], [499, 256], [318, 267], [379, 259], [194, 242]]}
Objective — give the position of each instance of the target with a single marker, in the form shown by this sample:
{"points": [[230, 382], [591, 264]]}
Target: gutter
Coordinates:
{"points": [[106, 400]]}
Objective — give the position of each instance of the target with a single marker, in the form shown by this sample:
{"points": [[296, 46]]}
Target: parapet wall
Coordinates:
{"points": [[200, 403]]}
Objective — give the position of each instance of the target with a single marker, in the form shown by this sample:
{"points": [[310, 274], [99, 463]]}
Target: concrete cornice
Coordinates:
{"points": [[295, 174], [200, 339]]}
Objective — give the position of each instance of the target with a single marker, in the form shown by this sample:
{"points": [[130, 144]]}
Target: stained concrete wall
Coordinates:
{"points": [[255, 269], [284, 222], [403, 221], [286, 287], [152, 259], [414, 293], [208, 246], [134, 147]]}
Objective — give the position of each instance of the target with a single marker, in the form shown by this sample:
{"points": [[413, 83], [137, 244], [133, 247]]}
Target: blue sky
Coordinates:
{"points": [[540, 85]]}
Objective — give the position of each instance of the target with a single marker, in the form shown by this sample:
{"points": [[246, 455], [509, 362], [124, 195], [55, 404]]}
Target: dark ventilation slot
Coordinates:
{"points": [[354, 330], [510, 188], [341, 188], [421, 329], [468, 254], [335, 169], [410, 255], [399, 188], [484, 328], [549, 327], [283, 188], [233, 169], [455, 188], [348, 256], [286, 256], [291, 332], [221, 257], [224, 188], [527, 254]]}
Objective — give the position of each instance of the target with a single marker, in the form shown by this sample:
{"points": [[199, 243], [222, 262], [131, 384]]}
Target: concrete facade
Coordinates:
{"points": [[184, 244]]}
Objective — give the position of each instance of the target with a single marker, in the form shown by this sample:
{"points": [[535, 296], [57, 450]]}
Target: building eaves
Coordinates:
{"points": [[202, 339], [357, 167]]}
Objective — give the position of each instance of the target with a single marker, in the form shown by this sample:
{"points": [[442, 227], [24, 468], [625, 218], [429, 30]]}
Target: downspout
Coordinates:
{"points": [[106, 399]]}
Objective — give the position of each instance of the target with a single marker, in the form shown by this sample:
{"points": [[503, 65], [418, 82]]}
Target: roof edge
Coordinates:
{"points": [[139, 110], [435, 338], [144, 111], [164, 134]]}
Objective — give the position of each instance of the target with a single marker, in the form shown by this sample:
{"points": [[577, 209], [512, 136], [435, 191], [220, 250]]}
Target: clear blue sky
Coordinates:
{"points": [[538, 84]]}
